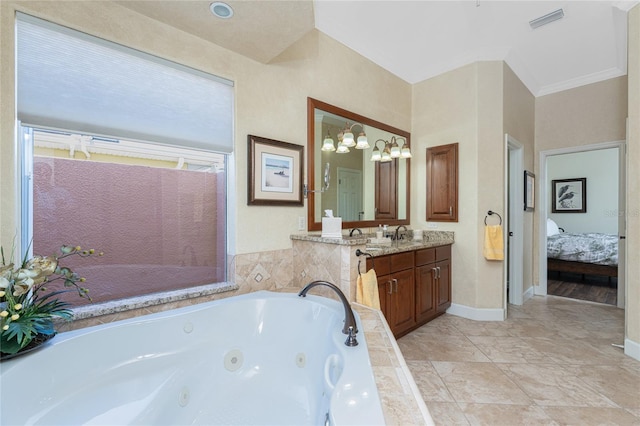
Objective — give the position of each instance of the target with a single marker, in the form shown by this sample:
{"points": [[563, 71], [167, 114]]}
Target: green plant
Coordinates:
{"points": [[28, 301]]}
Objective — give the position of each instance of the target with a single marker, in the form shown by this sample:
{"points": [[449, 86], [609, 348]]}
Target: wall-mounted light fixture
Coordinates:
{"points": [[391, 150], [346, 139], [327, 144]]}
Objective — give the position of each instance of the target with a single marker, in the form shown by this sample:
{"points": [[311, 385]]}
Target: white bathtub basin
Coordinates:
{"points": [[258, 359]]}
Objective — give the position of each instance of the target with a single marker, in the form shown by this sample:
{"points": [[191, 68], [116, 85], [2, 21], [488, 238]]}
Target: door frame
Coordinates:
{"points": [[514, 222], [543, 201]]}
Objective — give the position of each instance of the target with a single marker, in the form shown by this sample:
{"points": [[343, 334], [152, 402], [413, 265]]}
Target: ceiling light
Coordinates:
{"points": [[221, 10], [549, 17]]}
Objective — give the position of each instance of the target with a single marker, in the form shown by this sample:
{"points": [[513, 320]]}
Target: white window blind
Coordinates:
{"points": [[71, 80]]}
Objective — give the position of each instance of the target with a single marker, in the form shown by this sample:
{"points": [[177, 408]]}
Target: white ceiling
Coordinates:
{"points": [[420, 39]]}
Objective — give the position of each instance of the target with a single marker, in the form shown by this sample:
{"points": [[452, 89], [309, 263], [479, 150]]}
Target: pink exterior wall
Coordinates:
{"points": [[160, 229]]}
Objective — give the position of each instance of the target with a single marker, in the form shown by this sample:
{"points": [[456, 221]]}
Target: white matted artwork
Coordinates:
{"points": [[274, 172]]}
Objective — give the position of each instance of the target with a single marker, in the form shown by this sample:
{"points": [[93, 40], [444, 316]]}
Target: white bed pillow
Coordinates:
{"points": [[552, 228]]}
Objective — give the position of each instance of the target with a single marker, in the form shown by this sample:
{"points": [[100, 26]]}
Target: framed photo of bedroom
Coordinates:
{"points": [[569, 195]]}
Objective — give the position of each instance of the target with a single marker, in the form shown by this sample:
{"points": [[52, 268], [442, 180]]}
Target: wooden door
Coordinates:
{"points": [[401, 312], [442, 183], [386, 190], [425, 292], [444, 285]]}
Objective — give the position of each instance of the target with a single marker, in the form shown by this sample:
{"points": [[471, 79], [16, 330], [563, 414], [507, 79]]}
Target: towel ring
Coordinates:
{"points": [[489, 213], [362, 253]]}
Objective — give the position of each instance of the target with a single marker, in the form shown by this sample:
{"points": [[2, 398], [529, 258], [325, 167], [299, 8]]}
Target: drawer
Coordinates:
{"points": [[425, 256], [401, 261], [381, 264], [443, 252]]}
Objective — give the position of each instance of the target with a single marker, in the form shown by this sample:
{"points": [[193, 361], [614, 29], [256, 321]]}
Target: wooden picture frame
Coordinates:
{"points": [[274, 172], [529, 191], [569, 195]]}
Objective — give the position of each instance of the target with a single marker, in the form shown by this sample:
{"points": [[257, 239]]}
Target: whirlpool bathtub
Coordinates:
{"points": [[257, 359]]}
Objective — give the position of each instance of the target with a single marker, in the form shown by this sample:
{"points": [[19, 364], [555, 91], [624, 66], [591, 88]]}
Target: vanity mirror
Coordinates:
{"points": [[365, 192]]}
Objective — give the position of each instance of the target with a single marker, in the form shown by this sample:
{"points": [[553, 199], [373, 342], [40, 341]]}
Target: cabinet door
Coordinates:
{"points": [[402, 302], [425, 292], [442, 183], [386, 190], [384, 288], [444, 285]]}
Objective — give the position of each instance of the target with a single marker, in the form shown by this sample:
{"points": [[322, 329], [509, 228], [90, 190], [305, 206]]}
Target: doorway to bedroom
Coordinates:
{"points": [[582, 223]]}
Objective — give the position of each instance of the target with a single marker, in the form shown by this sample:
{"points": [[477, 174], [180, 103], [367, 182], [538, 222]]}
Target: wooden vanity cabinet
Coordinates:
{"points": [[396, 287], [433, 282], [414, 286]]}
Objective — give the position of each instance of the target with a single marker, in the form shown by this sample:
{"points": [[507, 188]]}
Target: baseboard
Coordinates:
{"points": [[477, 314], [528, 294], [632, 349]]}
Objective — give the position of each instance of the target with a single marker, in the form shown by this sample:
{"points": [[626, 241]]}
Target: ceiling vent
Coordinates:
{"points": [[546, 19]]}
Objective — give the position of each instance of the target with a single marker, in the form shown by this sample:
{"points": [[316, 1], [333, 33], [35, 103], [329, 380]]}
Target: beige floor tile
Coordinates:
{"points": [[614, 382], [479, 383], [554, 385], [585, 416], [432, 388], [440, 348], [506, 349], [551, 362], [447, 414], [507, 415]]}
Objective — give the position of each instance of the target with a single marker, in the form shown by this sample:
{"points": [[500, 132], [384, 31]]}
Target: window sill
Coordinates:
{"points": [[122, 305]]}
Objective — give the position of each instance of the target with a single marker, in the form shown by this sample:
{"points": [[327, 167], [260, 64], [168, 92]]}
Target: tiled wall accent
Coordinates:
{"points": [[267, 270], [271, 270], [334, 263]]}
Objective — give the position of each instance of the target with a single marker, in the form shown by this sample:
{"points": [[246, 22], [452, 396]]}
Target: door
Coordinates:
{"points": [[514, 270], [349, 194]]}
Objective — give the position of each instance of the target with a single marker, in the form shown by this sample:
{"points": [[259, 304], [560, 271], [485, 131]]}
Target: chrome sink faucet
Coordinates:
{"points": [[350, 327], [353, 230]]}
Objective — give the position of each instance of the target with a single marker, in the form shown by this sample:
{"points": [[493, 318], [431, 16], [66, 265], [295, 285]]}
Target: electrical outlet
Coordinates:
{"points": [[432, 225], [302, 225]]}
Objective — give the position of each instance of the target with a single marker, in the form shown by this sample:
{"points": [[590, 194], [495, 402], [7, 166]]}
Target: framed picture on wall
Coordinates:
{"points": [[529, 191], [569, 195], [275, 172]]}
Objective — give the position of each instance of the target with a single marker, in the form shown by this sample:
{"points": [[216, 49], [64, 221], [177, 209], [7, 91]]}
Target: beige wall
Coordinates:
{"points": [[270, 99], [632, 309], [466, 106], [519, 123], [444, 111]]}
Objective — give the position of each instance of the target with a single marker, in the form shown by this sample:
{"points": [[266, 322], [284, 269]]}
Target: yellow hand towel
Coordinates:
{"points": [[493, 245], [367, 289]]}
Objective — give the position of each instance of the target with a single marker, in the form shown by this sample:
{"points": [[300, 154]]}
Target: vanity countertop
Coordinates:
{"points": [[429, 239]]}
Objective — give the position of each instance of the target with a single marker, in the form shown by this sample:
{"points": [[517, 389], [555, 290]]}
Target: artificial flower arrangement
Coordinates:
{"points": [[27, 305]]}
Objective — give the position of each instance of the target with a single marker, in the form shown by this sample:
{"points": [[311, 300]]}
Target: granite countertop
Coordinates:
{"points": [[429, 239]]}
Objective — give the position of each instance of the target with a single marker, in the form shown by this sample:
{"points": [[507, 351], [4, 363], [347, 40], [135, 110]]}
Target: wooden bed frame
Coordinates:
{"points": [[581, 268]]}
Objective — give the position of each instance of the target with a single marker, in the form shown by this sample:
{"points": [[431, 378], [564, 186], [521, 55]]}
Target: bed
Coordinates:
{"points": [[588, 254]]}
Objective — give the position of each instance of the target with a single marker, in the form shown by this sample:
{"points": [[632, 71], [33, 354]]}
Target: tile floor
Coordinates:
{"points": [[550, 363]]}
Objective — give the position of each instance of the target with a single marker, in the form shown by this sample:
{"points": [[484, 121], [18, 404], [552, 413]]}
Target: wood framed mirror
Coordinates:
{"points": [[364, 193]]}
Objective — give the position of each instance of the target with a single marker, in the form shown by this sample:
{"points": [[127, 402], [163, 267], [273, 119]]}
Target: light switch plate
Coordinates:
{"points": [[432, 225], [302, 225]]}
